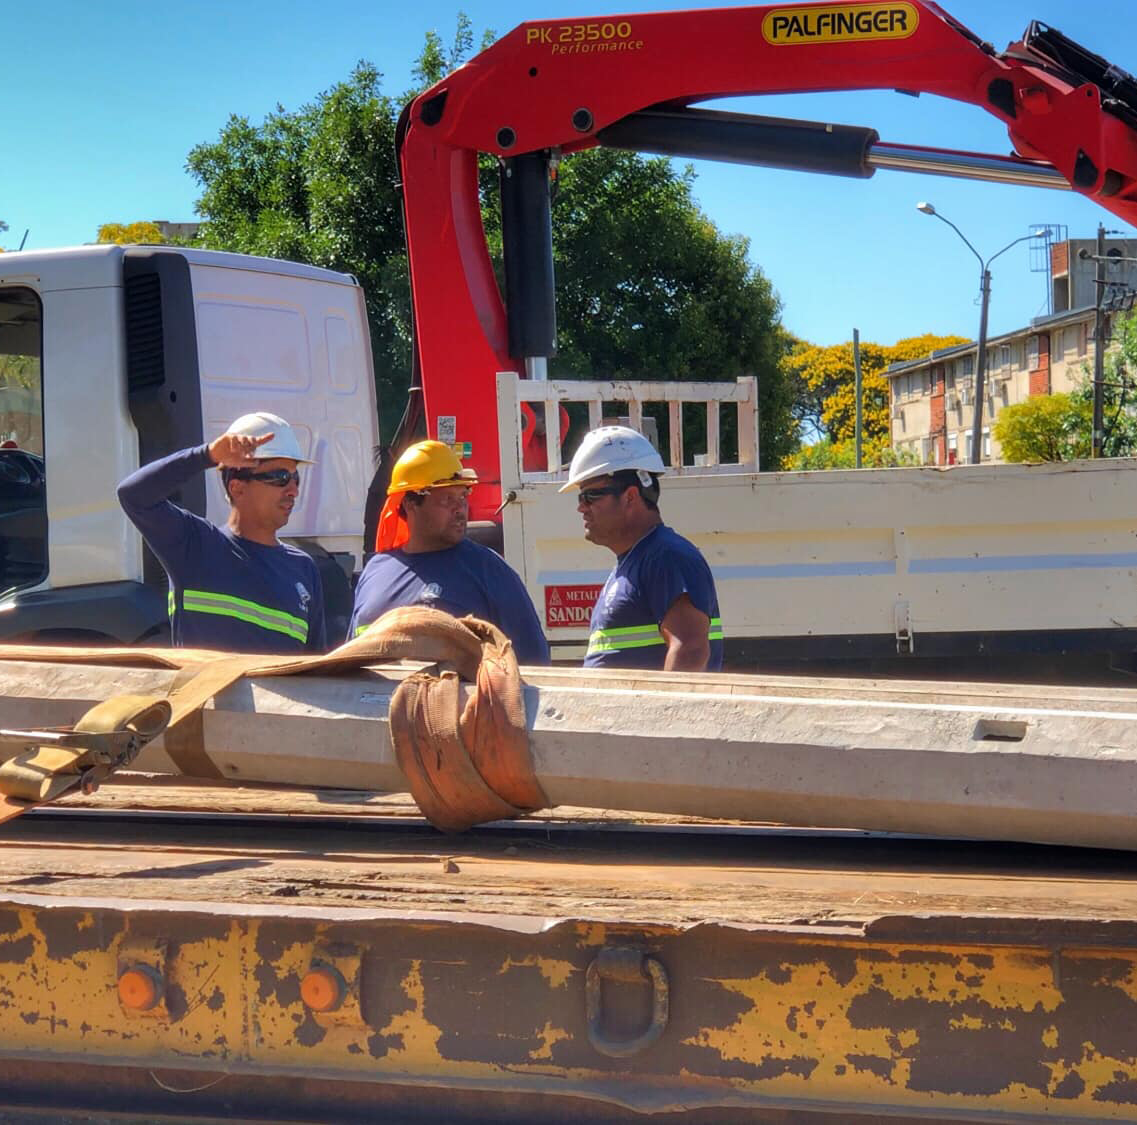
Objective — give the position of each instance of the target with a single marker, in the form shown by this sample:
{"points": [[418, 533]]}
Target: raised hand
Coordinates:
{"points": [[235, 451]]}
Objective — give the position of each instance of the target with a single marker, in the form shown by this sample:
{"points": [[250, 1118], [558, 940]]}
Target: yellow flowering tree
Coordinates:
{"points": [[825, 388], [130, 234]]}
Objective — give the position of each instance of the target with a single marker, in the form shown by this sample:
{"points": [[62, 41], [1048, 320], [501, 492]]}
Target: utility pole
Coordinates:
{"points": [[857, 390], [1101, 260], [981, 367], [1099, 346]]}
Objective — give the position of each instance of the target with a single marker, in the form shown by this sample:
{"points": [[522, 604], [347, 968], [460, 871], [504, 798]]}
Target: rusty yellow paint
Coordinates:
{"points": [[550, 1036], [804, 1012], [781, 1019], [557, 972]]}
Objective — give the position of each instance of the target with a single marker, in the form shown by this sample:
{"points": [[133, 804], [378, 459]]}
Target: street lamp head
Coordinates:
{"points": [[927, 208]]}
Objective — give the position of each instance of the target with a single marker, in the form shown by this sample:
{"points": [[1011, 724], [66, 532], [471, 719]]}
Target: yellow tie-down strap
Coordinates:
{"points": [[53, 762]]}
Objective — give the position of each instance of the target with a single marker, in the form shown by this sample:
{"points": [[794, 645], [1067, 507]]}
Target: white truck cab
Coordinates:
{"points": [[111, 357]]}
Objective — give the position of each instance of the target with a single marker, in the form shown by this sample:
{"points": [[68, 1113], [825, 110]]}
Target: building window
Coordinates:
{"points": [[1004, 355], [1020, 356], [968, 364], [1083, 339], [1032, 353], [987, 443], [1058, 343]]}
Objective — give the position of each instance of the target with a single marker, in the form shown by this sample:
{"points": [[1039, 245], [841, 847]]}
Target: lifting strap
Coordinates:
{"points": [[464, 763], [54, 762]]}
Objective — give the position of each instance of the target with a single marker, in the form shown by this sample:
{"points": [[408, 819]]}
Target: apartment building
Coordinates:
{"points": [[931, 400]]}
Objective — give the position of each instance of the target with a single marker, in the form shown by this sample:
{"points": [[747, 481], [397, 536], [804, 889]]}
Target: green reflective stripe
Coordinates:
{"points": [[360, 629], [627, 631], [639, 636], [223, 605], [606, 644], [171, 603]]}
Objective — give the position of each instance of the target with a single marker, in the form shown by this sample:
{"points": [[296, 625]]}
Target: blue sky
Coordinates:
{"points": [[105, 100]]}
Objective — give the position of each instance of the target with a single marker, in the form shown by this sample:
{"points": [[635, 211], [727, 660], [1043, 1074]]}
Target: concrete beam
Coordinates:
{"points": [[1052, 765]]}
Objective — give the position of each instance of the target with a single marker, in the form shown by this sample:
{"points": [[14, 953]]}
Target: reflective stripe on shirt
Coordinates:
{"points": [[224, 605], [638, 636]]}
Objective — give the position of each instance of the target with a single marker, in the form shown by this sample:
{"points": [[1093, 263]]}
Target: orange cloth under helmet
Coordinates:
{"points": [[425, 465], [392, 531]]}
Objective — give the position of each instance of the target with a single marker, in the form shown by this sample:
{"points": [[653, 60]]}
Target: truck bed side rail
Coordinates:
{"points": [[513, 392]]}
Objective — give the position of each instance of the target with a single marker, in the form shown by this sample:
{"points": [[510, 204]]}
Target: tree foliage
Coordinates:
{"points": [[130, 234], [823, 383], [1119, 391], [827, 454], [647, 286], [1044, 428], [1059, 427], [318, 185]]}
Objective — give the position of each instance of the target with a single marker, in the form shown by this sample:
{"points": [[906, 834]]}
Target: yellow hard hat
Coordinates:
{"points": [[429, 464]]}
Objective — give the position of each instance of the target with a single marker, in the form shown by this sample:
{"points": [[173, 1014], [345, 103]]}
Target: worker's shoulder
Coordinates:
{"points": [[297, 553], [667, 541], [478, 554]]}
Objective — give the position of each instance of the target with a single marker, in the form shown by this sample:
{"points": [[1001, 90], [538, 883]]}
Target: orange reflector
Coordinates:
{"points": [[323, 989], [140, 988]]}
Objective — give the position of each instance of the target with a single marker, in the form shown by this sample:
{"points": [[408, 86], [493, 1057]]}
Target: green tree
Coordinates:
{"points": [[318, 185], [1119, 391], [1059, 427], [130, 234], [827, 454], [1044, 428], [647, 286]]}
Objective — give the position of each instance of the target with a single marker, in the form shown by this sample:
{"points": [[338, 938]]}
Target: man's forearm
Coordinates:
{"points": [[153, 483], [687, 656]]}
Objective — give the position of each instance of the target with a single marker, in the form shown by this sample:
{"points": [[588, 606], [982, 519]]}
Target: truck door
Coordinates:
{"points": [[23, 493]]}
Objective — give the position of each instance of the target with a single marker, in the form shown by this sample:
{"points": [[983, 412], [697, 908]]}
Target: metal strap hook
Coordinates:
{"points": [[626, 965]]}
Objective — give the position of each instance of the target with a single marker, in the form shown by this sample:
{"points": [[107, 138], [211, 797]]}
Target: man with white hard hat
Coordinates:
{"points": [[237, 587], [658, 608]]}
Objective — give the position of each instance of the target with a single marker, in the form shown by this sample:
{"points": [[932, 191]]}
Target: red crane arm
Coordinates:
{"points": [[557, 84]]}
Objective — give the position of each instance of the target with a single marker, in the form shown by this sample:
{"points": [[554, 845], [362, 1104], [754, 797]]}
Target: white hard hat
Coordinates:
{"points": [[283, 444], [613, 449]]}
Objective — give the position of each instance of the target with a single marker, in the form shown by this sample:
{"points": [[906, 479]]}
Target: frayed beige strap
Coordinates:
{"points": [[117, 728]]}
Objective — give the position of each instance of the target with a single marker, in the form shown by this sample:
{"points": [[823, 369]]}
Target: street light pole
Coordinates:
{"points": [[980, 366], [984, 303]]}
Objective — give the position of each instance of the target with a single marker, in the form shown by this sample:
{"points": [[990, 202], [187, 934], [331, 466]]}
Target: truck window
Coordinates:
{"points": [[23, 496]]}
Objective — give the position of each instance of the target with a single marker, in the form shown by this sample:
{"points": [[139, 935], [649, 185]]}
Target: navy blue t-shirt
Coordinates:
{"points": [[226, 592], [645, 583], [468, 579]]}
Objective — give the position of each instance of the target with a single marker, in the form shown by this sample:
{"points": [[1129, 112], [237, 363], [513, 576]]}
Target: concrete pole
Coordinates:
{"points": [[1049, 764]]}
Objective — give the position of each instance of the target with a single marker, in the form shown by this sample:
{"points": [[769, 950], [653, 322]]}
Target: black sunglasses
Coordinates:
{"points": [[278, 478], [591, 495]]}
